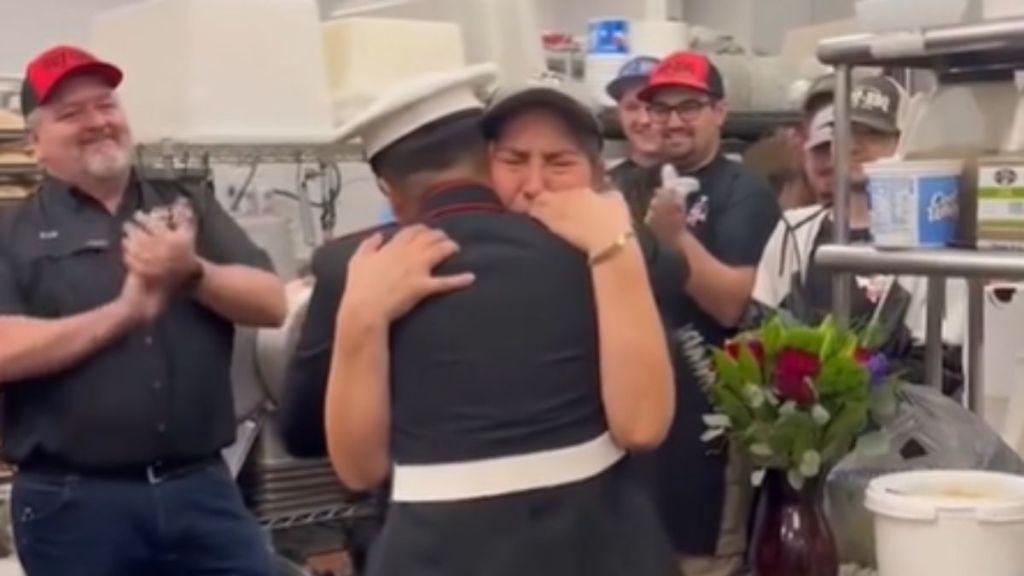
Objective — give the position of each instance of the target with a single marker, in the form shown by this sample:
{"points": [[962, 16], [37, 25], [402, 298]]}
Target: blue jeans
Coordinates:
{"points": [[193, 525]]}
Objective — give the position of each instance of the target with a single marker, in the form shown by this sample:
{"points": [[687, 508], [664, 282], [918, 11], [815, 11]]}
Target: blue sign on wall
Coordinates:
{"points": [[609, 37]]}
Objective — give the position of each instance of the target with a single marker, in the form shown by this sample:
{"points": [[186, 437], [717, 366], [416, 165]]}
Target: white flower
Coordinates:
{"points": [[788, 408], [757, 477], [754, 394], [820, 415], [795, 479], [761, 449], [717, 421], [810, 464], [712, 434]]}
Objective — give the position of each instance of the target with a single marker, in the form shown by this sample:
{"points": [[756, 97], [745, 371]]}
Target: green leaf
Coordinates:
{"points": [[842, 376], [884, 404], [750, 368], [843, 430], [827, 346], [872, 444], [872, 336], [828, 325], [802, 338], [726, 369], [771, 337], [729, 404]]}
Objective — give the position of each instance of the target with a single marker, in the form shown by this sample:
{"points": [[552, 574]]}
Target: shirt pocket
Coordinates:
{"points": [[72, 275]]}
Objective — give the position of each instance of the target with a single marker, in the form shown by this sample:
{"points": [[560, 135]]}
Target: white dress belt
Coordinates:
{"points": [[505, 475]]}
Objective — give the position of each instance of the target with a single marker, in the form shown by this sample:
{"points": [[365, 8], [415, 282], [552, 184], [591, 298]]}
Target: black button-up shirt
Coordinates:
{"points": [[161, 393]]}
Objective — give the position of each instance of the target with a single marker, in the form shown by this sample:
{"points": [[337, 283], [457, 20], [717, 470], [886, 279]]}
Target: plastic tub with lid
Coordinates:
{"points": [[914, 204], [948, 523]]}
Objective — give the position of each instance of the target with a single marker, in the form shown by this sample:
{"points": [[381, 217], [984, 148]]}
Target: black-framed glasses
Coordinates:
{"points": [[687, 110]]}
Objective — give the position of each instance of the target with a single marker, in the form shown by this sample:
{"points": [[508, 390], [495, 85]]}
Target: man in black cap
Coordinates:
{"points": [[118, 299], [643, 139], [479, 386], [720, 230]]}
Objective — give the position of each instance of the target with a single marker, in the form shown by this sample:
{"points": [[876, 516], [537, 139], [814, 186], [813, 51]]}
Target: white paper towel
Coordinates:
{"points": [[658, 39]]}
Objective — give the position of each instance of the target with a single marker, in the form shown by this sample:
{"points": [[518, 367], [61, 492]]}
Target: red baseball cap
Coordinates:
{"points": [[46, 71], [685, 70]]}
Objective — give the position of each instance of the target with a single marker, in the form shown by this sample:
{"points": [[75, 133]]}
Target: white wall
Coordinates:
{"points": [[762, 24], [30, 26]]}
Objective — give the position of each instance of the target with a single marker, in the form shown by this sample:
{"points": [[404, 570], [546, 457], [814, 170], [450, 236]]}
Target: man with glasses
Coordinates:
{"points": [[720, 230]]}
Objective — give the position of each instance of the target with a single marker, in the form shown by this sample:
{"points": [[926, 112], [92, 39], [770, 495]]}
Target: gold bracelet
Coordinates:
{"points": [[612, 249]]}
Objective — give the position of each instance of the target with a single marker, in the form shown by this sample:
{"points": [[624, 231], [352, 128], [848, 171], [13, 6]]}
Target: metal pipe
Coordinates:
{"points": [[975, 341], [933, 344], [993, 36], [841, 151], [922, 262]]}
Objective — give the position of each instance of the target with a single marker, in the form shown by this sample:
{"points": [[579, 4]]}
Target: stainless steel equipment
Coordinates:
{"points": [[997, 44]]}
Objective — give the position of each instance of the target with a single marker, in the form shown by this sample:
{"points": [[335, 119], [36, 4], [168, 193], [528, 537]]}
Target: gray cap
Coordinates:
{"points": [[876, 102], [557, 94]]}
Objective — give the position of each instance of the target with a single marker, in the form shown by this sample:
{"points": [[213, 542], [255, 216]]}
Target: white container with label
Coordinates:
{"points": [[914, 204], [1001, 203], [948, 523]]}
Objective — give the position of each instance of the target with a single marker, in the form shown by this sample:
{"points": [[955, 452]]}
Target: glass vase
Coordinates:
{"points": [[792, 536]]}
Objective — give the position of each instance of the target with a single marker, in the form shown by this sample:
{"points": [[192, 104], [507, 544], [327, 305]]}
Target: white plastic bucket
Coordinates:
{"points": [[914, 204], [948, 523]]}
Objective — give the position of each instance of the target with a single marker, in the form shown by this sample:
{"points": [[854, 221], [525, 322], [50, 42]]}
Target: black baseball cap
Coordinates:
{"points": [[48, 70], [636, 72]]}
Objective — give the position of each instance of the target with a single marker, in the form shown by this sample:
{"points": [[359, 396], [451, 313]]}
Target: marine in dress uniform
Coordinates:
{"points": [[503, 464]]}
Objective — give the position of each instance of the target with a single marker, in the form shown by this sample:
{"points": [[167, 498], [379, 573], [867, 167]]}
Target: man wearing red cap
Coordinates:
{"points": [[118, 300], [720, 229]]}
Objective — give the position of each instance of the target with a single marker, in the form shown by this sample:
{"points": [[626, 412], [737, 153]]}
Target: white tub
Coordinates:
{"points": [[948, 523], [914, 204]]}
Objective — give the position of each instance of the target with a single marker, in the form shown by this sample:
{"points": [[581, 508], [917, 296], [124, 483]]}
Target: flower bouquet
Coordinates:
{"points": [[796, 400]]}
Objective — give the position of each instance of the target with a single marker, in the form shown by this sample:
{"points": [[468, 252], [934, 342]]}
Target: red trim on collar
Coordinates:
{"points": [[451, 184], [462, 209]]}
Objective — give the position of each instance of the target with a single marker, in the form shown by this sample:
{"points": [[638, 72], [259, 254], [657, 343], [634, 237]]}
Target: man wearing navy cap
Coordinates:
{"points": [[720, 230], [485, 387], [644, 140], [118, 300]]}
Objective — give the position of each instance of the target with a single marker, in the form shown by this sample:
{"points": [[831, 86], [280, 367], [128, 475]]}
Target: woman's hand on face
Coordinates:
{"points": [[588, 220]]}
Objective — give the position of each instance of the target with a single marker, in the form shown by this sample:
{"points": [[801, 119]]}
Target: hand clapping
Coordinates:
{"points": [[159, 246]]}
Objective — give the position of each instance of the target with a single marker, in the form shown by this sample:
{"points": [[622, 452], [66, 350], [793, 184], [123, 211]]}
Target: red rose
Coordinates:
{"points": [[794, 372], [732, 348], [863, 355]]}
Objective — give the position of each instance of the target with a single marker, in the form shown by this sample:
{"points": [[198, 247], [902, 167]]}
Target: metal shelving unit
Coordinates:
{"points": [[977, 46], [189, 153]]}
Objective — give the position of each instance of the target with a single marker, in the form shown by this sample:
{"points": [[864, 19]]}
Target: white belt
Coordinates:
{"points": [[505, 475]]}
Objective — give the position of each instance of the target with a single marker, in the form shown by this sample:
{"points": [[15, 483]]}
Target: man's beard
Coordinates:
{"points": [[109, 163]]}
